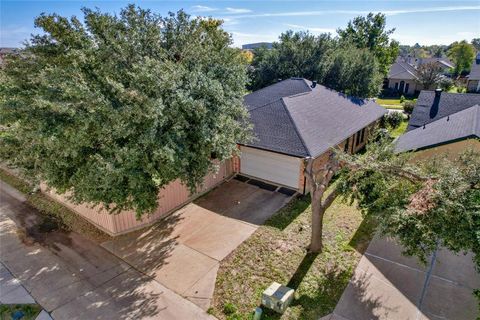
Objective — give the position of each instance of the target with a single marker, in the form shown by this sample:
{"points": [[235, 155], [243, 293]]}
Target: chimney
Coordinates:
{"points": [[438, 92], [314, 84]]}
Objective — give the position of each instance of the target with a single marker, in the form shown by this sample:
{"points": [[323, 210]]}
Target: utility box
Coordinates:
{"points": [[277, 297]]}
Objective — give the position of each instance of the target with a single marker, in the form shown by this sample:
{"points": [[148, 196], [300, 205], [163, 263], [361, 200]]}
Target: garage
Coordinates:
{"points": [[275, 167]]}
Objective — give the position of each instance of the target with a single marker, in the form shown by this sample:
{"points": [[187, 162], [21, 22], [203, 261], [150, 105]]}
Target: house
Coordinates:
{"points": [[253, 46], [293, 120], [296, 119], [442, 123], [473, 80], [403, 78], [403, 75]]}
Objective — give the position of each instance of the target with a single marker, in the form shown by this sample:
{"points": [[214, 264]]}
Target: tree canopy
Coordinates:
{"points": [[462, 54], [429, 74], [370, 33], [342, 67], [114, 108]]}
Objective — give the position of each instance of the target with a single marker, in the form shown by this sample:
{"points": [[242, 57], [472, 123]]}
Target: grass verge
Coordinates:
{"points": [[399, 130], [29, 311], [277, 252], [54, 211]]}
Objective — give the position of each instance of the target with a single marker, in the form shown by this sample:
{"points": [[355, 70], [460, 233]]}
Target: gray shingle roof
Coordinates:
{"points": [[399, 67], [475, 71], [292, 118], [429, 108], [460, 125]]}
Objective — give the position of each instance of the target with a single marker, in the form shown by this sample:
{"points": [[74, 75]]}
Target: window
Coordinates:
{"points": [[362, 135], [396, 85], [407, 85]]}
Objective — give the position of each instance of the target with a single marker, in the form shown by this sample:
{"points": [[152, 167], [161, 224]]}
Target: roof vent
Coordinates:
{"points": [[438, 92], [314, 84]]}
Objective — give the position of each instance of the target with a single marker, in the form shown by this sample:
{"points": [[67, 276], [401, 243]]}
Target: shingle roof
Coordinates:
{"points": [[475, 71], [292, 118], [430, 108], [460, 125], [400, 67]]}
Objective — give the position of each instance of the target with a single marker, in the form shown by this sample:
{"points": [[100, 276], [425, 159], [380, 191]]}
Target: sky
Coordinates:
{"points": [[424, 22]]}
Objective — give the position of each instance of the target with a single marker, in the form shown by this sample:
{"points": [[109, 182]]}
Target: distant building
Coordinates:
{"points": [[473, 82], [403, 76], [252, 46]]}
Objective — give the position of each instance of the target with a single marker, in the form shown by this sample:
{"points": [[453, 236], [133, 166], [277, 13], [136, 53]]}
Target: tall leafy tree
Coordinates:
{"points": [[370, 32], [476, 43], [114, 108], [462, 54], [298, 54], [429, 75]]}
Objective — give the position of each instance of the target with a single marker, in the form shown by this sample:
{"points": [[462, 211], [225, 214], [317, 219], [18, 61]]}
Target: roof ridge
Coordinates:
{"points": [[296, 128]]}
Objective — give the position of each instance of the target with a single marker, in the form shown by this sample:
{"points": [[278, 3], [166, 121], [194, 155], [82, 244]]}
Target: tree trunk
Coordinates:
{"points": [[316, 243]]}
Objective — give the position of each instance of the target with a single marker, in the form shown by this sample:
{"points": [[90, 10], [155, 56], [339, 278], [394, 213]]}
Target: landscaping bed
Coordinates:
{"points": [[55, 215], [29, 311], [277, 252]]}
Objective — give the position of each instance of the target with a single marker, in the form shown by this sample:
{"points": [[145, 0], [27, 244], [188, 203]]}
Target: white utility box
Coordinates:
{"points": [[277, 297]]}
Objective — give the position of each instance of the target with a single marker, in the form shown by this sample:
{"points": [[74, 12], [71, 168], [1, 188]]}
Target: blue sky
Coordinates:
{"points": [[425, 22]]}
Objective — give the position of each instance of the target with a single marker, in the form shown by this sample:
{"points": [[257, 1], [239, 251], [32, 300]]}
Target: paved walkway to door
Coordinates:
{"points": [[74, 278], [388, 285], [183, 251]]}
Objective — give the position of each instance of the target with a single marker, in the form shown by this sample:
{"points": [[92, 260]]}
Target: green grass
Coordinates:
{"points": [[53, 211], [400, 130], [30, 311], [391, 103], [277, 252]]}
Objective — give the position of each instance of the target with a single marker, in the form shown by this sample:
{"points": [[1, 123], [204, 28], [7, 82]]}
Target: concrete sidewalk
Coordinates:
{"points": [[388, 285], [74, 278]]}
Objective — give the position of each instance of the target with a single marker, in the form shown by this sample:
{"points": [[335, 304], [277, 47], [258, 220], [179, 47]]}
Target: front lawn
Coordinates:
{"points": [[391, 103], [276, 252]]}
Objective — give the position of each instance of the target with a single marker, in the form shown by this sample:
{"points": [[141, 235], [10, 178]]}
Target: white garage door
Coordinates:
{"points": [[270, 166]]}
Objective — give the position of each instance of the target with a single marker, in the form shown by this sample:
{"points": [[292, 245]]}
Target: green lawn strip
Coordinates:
{"points": [[400, 130], [277, 252], [392, 106], [30, 311], [54, 212]]}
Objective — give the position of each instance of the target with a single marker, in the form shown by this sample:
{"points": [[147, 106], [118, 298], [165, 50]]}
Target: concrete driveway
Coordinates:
{"points": [[74, 278], [388, 285], [183, 251]]}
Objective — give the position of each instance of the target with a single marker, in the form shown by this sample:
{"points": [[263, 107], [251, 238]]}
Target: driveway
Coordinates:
{"points": [[388, 285], [74, 278], [183, 251]]}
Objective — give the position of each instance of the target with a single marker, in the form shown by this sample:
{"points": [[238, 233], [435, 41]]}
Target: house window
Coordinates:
{"points": [[362, 135], [406, 87], [396, 85], [402, 86]]}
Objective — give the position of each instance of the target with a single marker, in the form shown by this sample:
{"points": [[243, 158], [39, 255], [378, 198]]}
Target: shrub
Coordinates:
{"points": [[229, 308], [408, 106], [446, 84], [402, 99], [393, 119]]}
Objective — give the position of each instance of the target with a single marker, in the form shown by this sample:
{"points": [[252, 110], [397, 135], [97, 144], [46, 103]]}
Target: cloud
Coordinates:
{"points": [[312, 29], [356, 12], [237, 10], [199, 8]]}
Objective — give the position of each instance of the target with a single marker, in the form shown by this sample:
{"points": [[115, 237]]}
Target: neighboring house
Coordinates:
{"points": [[473, 80], [294, 120], [253, 46], [403, 76], [442, 123]]}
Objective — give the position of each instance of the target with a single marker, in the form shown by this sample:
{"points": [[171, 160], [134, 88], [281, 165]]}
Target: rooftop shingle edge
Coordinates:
{"points": [[454, 127]]}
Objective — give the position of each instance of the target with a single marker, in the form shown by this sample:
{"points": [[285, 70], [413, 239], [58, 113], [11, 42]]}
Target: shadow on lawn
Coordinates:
{"points": [[289, 213], [363, 235]]}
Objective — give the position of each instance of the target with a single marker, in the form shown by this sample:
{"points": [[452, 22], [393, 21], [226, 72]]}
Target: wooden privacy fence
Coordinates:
{"points": [[170, 198]]}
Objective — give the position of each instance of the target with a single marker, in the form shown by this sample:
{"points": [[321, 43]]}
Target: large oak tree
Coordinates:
{"points": [[113, 108]]}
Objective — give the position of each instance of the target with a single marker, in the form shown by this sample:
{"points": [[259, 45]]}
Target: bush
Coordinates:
{"points": [[446, 84], [393, 119], [408, 106], [229, 308], [402, 99]]}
